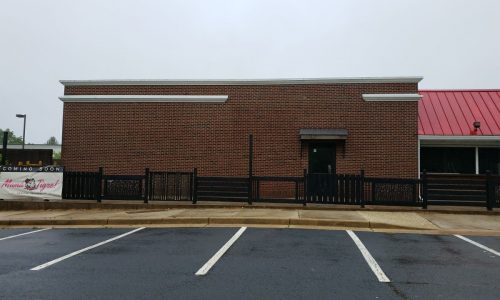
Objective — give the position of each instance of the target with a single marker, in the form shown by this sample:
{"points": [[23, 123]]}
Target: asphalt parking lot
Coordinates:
{"points": [[190, 263]]}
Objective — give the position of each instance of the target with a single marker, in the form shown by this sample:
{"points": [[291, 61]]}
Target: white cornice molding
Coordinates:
{"points": [[146, 98], [391, 97], [340, 80]]}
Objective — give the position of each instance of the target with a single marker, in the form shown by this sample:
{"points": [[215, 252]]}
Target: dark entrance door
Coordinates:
{"points": [[322, 158], [321, 185]]}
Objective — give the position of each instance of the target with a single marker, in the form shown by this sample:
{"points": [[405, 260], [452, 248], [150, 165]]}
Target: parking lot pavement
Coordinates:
{"points": [[26, 251], [293, 264], [146, 264], [488, 241], [158, 263], [433, 266], [14, 231]]}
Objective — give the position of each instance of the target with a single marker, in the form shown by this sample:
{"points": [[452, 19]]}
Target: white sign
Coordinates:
{"points": [[31, 182]]}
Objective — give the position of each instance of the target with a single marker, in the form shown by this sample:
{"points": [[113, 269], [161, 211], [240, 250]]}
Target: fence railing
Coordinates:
{"points": [[460, 189], [495, 190], [334, 188], [351, 189], [286, 189], [82, 185], [169, 186], [216, 188]]}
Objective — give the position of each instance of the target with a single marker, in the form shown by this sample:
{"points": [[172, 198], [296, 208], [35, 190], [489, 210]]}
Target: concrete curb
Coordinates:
{"points": [[209, 221], [76, 222], [330, 223], [248, 221], [162, 221], [33, 205]]}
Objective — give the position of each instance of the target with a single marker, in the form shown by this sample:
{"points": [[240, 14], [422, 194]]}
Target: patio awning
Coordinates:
{"points": [[455, 113], [323, 134]]}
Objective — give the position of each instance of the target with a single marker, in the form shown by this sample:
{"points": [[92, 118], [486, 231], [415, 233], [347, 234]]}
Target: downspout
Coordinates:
{"points": [[477, 159], [418, 157]]}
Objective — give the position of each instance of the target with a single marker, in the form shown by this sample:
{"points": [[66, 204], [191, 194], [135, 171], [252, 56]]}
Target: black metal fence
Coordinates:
{"points": [[352, 189]]}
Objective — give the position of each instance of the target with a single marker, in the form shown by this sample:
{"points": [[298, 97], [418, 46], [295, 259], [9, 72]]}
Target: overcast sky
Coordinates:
{"points": [[451, 43]]}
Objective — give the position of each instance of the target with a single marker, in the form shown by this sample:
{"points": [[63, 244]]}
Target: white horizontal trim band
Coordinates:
{"points": [[459, 138], [391, 97], [147, 98], [403, 79]]}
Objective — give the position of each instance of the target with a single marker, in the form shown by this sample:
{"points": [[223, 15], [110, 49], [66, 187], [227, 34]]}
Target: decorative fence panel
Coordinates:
{"points": [[392, 191], [123, 187]]}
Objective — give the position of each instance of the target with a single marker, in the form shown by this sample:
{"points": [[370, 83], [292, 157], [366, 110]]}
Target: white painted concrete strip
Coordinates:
{"points": [[55, 261], [211, 262], [478, 245], [369, 258], [30, 232]]}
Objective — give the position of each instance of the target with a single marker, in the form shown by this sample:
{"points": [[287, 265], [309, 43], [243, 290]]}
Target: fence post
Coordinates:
{"points": [[424, 189], [99, 185], [146, 185], [64, 188], [257, 190], [362, 189], [250, 167], [4, 148], [305, 188], [195, 186], [490, 194], [374, 190], [297, 191]]}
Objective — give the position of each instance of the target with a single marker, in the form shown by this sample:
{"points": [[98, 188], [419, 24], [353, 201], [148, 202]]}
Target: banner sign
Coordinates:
{"points": [[31, 182]]}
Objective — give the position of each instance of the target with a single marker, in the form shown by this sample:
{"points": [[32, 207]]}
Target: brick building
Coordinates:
{"points": [[338, 125]]}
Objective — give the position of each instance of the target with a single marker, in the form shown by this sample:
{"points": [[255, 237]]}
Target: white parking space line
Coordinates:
{"points": [[211, 262], [369, 258], [477, 244], [55, 261], [30, 232]]}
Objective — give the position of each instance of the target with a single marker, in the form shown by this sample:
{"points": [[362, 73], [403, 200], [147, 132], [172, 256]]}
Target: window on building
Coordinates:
{"points": [[448, 160], [489, 159]]}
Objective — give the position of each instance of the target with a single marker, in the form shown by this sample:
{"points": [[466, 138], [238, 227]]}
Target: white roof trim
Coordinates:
{"points": [[402, 79], [147, 98], [459, 138], [391, 97]]}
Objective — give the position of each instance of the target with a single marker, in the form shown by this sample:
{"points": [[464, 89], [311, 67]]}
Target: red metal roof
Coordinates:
{"points": [[453, 112]]}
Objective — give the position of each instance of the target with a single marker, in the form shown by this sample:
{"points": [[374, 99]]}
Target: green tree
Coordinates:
{"points": [[13, 139], [56, 155], [52, 141]]}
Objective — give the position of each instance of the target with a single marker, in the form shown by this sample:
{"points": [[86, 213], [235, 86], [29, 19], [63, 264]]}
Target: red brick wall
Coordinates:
{"points": [[124, 138]]}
